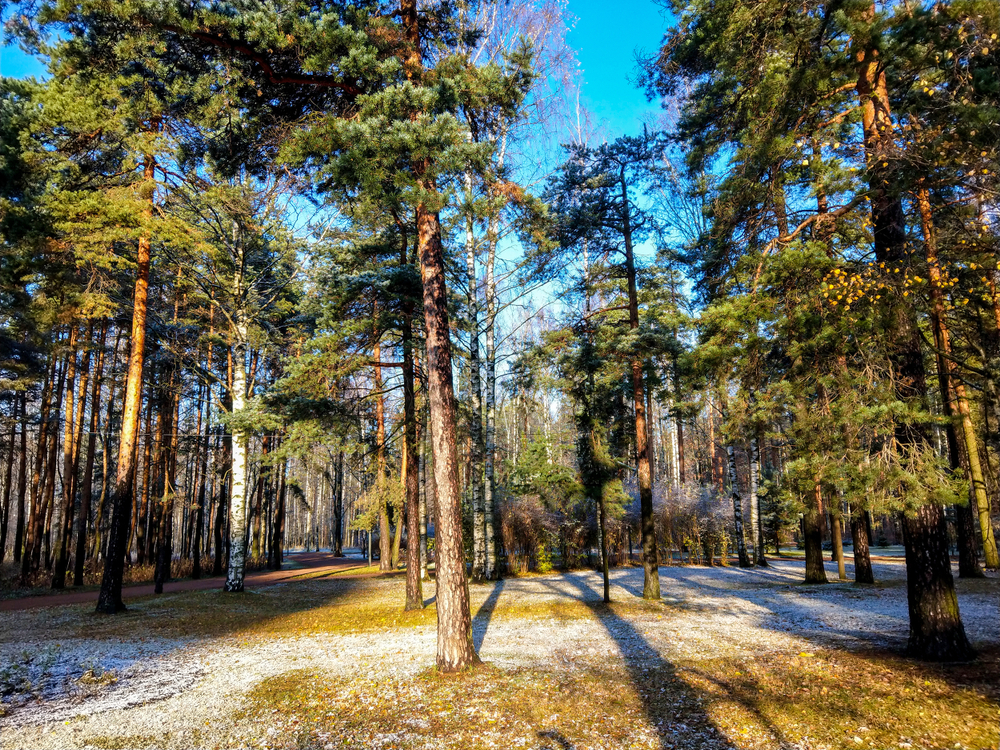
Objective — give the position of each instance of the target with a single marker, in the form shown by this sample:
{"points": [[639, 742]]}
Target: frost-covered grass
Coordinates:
{"points": [[730, 658]]}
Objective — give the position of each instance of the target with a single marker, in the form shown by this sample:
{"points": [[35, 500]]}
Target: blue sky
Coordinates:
{"points": [[606, 37]]}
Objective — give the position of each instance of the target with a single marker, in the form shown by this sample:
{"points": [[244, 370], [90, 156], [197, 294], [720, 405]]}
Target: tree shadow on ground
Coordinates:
{"points": [[481, 620], [837, 615], [672, 707]]}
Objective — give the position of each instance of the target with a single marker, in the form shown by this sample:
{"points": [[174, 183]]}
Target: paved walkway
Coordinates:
{"points": [[308, 564]]}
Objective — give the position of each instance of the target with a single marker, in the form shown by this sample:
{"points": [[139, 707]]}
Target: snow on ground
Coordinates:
{"points": [[65, 692]]}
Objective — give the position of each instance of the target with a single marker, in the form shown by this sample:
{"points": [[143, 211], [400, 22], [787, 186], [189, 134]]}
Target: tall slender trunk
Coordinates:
{"points": [[22, 481], [650, 551], [5, 505], [87, 489], [238, 462], [491, 570], [954, 399], [43, 520], [205, 425], [477, 448], [338, 506], [755, 526], [455, 650], [37, 489], [936, 630], [384, 538], [734, 493], [71, 436], [165, 533], [110, 599]]}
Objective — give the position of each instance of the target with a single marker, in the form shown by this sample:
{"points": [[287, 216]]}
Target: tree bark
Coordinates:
{"points": [[238, 465], [650, 551], [455, 650], [813, 537], [936, 630], [71, 434], [22, 481], [477, 448], [734, 493], [87, 489], [110, 599]]}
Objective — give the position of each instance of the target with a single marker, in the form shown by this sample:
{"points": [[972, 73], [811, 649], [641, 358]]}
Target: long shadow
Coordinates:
{"points": [[670, 704], [481, 621], [837, 616]]}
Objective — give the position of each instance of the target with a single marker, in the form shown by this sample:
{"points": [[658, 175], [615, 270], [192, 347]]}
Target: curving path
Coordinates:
{"points": [[308, 565]]}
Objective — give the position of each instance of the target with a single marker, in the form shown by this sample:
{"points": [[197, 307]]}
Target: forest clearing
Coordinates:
{"points": [[730, 658], [500, 373]]}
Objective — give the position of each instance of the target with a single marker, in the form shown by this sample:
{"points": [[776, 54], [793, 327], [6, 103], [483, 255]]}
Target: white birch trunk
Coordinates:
{"points": [[238, 467]]}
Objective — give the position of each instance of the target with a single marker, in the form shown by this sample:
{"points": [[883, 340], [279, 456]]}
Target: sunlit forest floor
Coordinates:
{"points": [[729, 659]]}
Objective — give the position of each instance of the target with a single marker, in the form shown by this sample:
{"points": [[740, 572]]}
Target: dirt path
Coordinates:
{"points": [[308, 564]]}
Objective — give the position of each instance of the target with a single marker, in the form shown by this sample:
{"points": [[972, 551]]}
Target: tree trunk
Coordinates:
{"points": [[455, 650], [384, 536], [950, 387], [936, 630], [5, 505], [71, 435], [734, 493], [813, 537], [862, 558], [477, 448], [650, 551], [238, 465], [87, 489], [22, 481], [30, 532], [110, 598]]}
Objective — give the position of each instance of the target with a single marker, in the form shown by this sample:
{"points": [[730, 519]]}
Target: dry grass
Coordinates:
{"points": [[824, 700]]}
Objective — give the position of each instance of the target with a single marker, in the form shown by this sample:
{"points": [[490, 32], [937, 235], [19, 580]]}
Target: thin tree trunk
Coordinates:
{"points": [[87, 489], [954, 399], [477, 448], [650, 551], [31, 532], [5, 506], [22, 481], [71, 433], [110, 599]]}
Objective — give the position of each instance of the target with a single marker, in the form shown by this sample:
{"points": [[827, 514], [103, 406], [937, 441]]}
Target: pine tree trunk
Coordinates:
{"points": [[862, 557], [455, 650], [734, 493], [650, 551], [71, 436], [9, 477], [87, 488], [836, 527], [813, 537], [936, 630], [952, 396], [384, 536], [22, 481], [37, 489], [491, 571], [477, 448], [165, 531], [110, 599]]}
